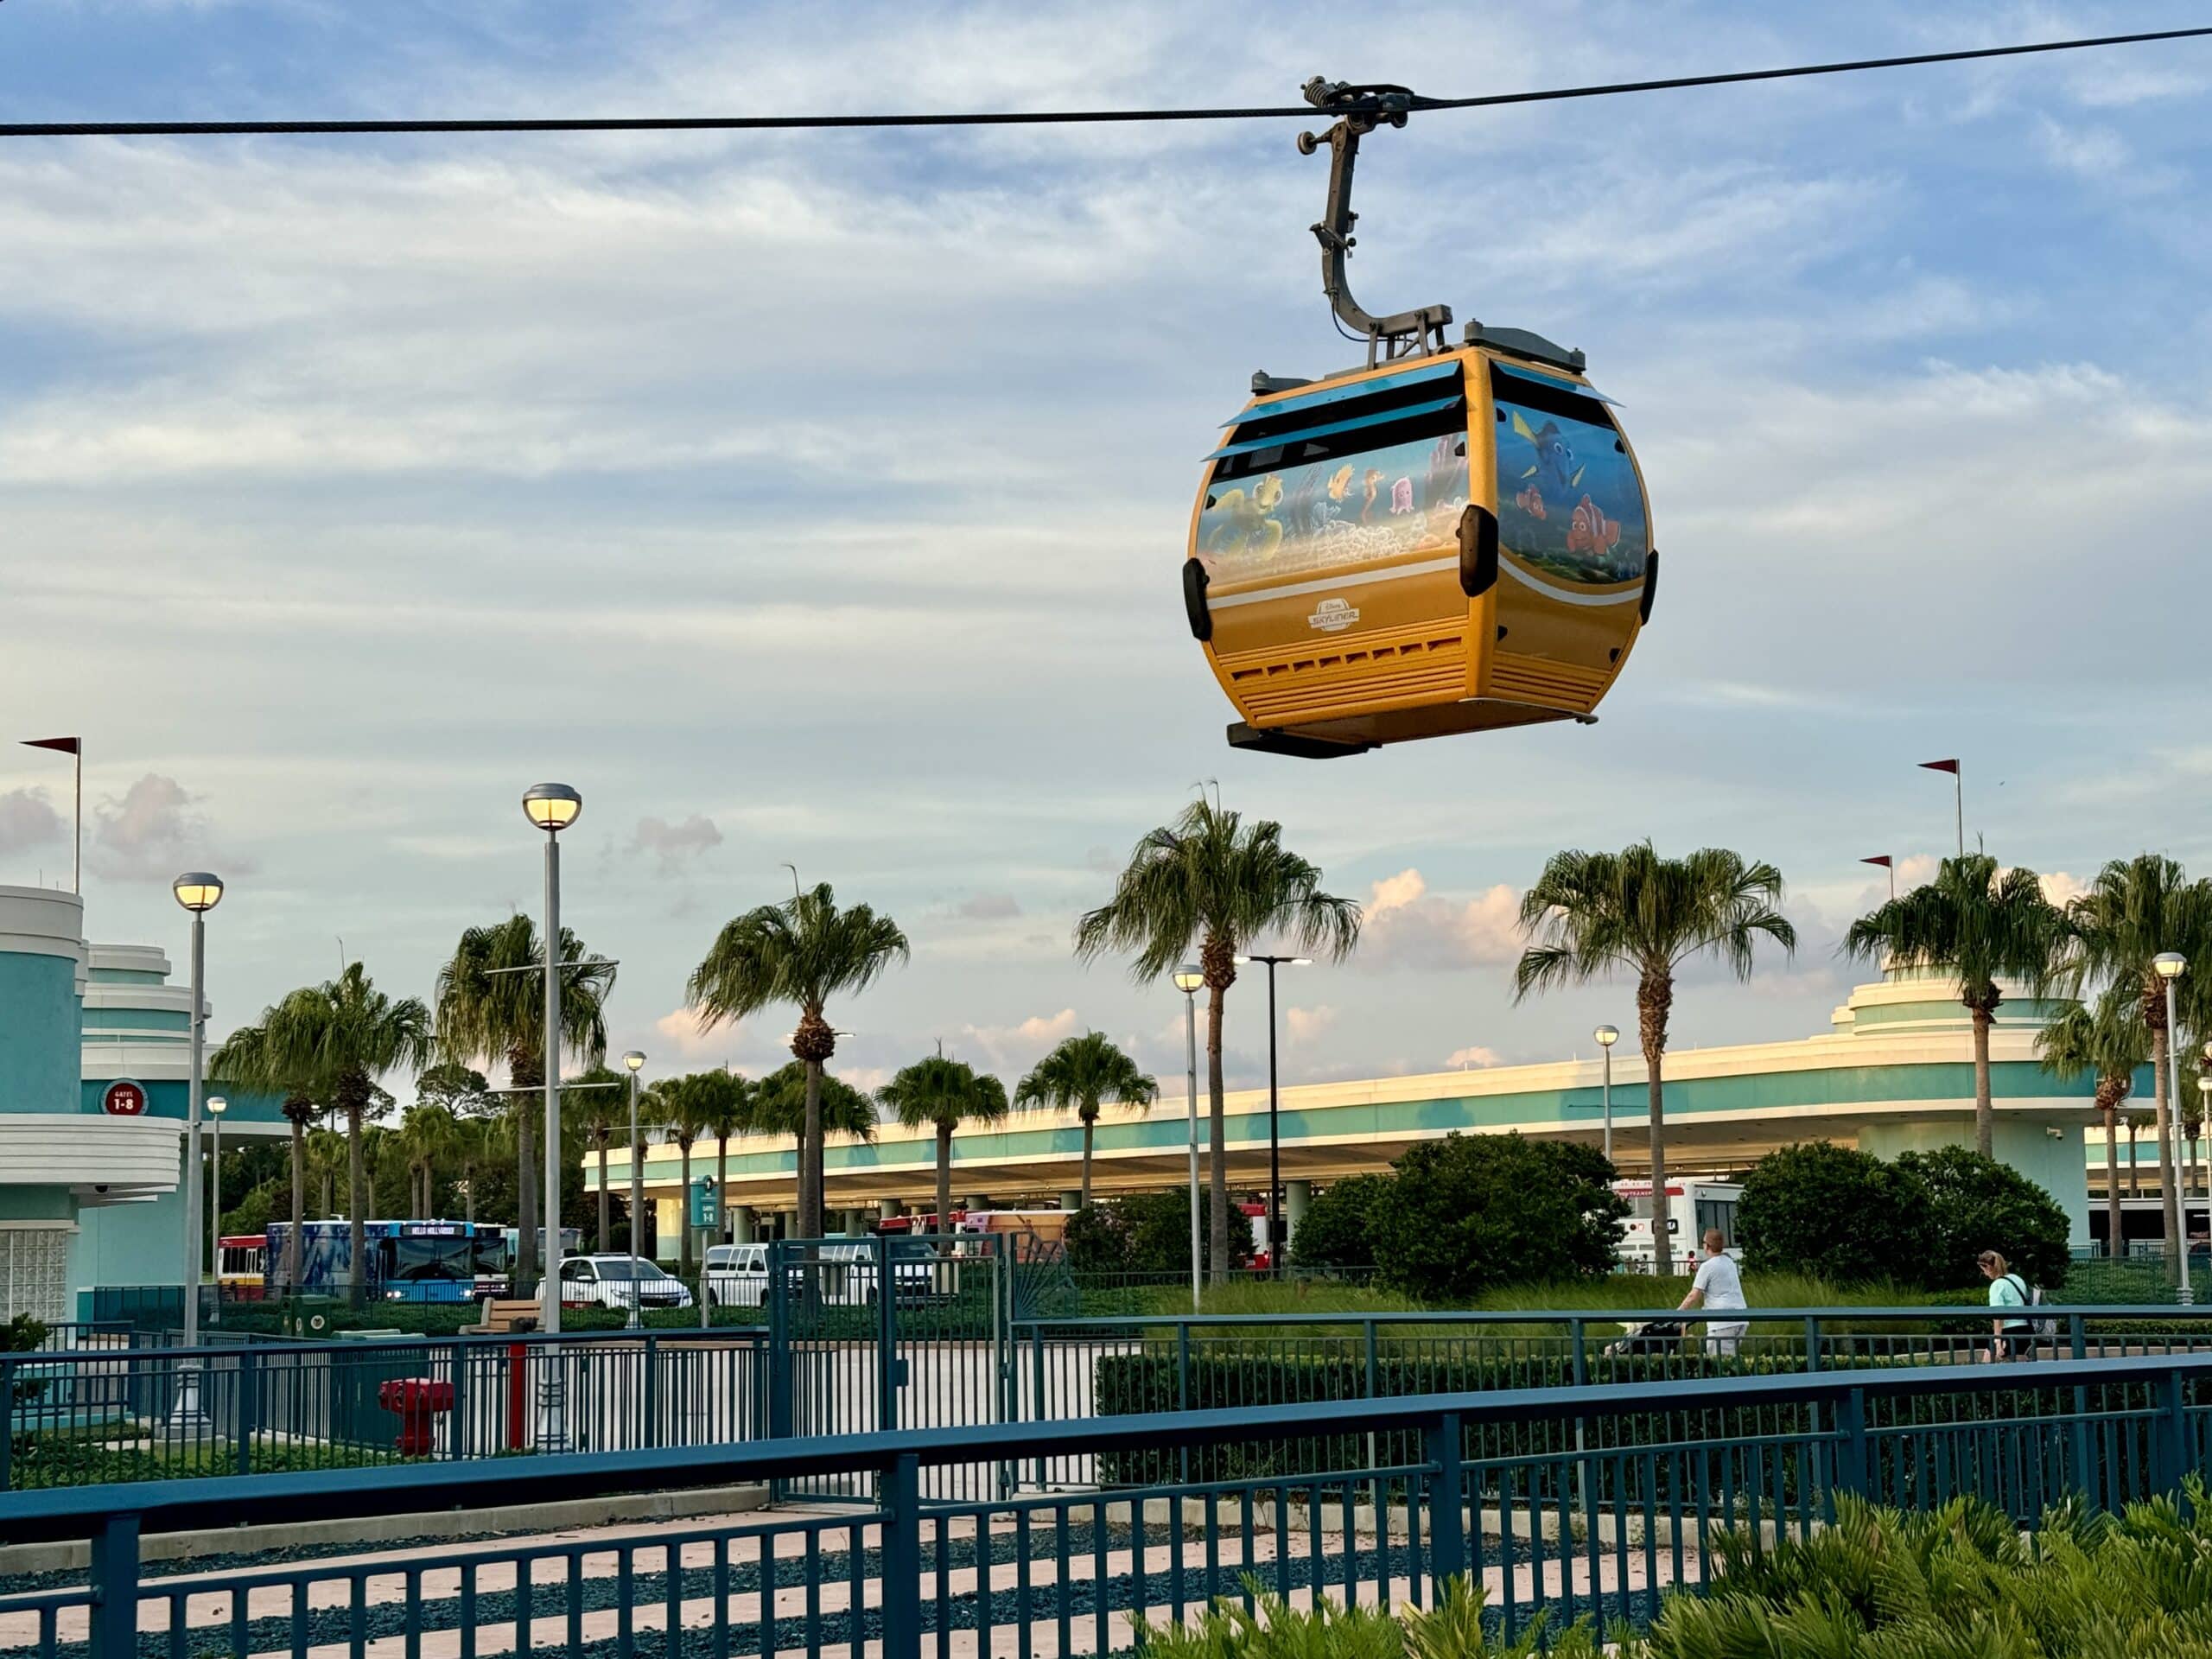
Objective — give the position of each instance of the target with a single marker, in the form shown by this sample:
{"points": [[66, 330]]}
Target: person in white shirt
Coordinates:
{"points": [[1717, 1288]]}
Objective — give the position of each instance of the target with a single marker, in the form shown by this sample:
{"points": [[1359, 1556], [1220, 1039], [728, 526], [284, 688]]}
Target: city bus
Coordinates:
{"points": [[408, 1260], [239, 1265]]}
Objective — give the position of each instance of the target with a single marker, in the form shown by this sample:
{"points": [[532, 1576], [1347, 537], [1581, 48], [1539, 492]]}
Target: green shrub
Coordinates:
{"points": [[1274, 1630], [1468, 1212], [1097, 1242], [1339, 1225], [1978, 1203], [1964, 1581], [1836, 1213], [1148, 1233]]}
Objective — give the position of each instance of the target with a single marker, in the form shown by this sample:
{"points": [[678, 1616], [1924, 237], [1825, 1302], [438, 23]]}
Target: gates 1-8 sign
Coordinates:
{"points": [[124, 1098]]}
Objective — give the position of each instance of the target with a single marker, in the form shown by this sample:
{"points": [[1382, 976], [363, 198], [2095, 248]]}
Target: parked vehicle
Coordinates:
{"points": [[839, 1275], [408, 1260], [1691, 1207], [239, 1265], [618, 1280]]}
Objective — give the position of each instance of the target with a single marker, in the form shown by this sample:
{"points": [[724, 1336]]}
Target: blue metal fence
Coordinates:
{"points": [[1103, 1366], [1604, 1522]]}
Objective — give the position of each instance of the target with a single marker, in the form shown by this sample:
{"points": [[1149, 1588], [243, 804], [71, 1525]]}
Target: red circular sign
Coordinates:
{"points": [[123, 1099]]}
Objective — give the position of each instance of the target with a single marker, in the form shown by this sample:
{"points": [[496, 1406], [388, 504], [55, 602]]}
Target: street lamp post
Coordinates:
{"points": [[216, 1107], [1188, 978], [552, 808], [198, 893], [635, 1059], [2170, 966], [1607, 1036], [1275, 1241]]}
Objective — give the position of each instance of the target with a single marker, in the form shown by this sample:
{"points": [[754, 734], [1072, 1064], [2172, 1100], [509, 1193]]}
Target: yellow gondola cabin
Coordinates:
{"points": [[1452, 538]]}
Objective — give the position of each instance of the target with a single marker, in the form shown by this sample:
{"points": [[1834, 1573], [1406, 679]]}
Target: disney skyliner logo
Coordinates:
{"points": [[1333, 616]]}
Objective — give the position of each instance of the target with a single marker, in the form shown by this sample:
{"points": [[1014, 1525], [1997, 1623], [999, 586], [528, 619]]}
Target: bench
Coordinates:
{"points": [[503, 1317]]}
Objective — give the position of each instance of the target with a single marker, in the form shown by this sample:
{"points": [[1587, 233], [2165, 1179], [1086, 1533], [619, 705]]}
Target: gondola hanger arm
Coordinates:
{"points": [[1360, 109]]}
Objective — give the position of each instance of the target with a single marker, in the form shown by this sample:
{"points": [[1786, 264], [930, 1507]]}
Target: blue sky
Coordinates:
{"points": [[819, 499]]}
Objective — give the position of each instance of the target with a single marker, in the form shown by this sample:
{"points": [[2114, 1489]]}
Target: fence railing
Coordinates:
{"points": [[1603, 1523], [126, 1407], [1109, 1366]]}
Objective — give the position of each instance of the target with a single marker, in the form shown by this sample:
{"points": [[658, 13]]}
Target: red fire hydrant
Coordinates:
{"points": [[417, 1401]]}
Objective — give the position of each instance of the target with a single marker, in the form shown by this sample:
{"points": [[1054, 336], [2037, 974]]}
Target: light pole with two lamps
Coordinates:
{"points": [[198, 893], [635, 1059], [1188, 978], [552, 808], [1607, 1036], [2171, 965], [1275, 1241]]}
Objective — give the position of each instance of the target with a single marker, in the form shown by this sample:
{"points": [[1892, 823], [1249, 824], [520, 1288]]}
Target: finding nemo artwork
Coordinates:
{"points": [[1348, 508], [1569, 504]]}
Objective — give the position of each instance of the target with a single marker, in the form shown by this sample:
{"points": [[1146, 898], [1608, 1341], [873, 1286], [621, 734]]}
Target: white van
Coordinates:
{"points": [[1691, 1207], [843, 1274]]}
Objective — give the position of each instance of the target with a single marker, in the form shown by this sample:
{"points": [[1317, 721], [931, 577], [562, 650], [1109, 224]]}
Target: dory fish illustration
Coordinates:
{"points": [[1554, 471]]}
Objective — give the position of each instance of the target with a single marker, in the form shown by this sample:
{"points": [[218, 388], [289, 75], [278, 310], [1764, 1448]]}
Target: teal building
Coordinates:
{"points": [[93, 1078], [1894, 1072]]}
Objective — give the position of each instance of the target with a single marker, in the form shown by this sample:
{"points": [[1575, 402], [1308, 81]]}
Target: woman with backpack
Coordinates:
{"points": [[2011, 1333]]}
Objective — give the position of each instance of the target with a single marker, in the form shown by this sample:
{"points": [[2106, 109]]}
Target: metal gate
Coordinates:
{"points": [[868, 1334]]}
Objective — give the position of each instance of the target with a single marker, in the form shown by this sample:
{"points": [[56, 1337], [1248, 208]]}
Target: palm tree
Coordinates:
{"points": [[1211, 880], [683, 1127], [426, 1135], [2135, 909], [245, 1055], [299, 1112], [489, 1010], [778, 1106], [729, 1111], [803, 952], [1590, 915], [2108, 1040], [327, 1156], [941, 1094], [691, 1107], [1081, 1075], [1980, 925], [476, 1142], [338, 1038], [598, 1104]]}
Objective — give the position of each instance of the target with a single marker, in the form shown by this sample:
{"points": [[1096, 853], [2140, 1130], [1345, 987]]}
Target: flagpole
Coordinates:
{"points": [[77, 850], [1959, 802]]}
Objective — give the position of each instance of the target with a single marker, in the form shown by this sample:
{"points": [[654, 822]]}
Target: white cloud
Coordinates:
{"points": [[151, 832], [987, 907], [675, 847], [1408, 927], [28, 819], [1303, 1025], [688, 1031], [1471, 1058], [1012, 1049]]}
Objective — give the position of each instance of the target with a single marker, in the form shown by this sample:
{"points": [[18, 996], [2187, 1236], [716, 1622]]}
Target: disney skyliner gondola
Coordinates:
{"points": [[1450, 538]]}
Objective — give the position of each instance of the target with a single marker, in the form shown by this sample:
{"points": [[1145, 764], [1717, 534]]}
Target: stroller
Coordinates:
{"points": [[1653, 1336]]}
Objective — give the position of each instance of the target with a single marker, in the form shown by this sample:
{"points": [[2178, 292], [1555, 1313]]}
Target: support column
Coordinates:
{"points": [[1071, 1199], [1297, 1196], [740, 1224], [856, 1223]]}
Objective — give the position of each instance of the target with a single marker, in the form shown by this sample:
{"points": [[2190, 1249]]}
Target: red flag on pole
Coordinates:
{"points": [[66, 745], [1882, 859], [1951, 766]]}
